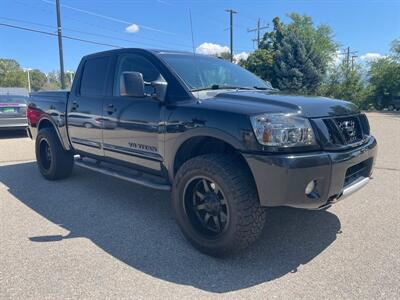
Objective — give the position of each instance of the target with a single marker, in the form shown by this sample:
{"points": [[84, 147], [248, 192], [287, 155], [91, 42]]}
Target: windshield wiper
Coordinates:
{"points": [[221, 87]]}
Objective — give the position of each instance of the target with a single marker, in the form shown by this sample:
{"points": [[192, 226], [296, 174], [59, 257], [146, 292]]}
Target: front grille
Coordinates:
{"points": [[363, 169], [350, 129], [346, 131]]}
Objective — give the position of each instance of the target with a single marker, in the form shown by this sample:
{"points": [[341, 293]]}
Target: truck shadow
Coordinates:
{"points": [[136, 225]]}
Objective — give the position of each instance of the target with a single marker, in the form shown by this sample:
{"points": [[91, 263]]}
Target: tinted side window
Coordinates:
{"points": [[94, 77], [136, 63]]}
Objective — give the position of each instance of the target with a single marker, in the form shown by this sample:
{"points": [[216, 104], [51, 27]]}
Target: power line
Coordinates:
{"points": [[90, 33], [137, 35], [55, 34], [107, 17]]}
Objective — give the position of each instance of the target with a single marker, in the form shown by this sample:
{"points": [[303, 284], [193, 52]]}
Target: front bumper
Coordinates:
{"points": [[281, 180], [13, 123]]}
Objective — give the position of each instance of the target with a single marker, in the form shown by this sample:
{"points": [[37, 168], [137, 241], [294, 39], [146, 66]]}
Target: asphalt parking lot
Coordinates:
{"points": [[92, 236]]}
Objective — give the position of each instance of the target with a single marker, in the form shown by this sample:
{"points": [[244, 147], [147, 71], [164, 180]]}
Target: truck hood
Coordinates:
{"points": [[253, 102]]}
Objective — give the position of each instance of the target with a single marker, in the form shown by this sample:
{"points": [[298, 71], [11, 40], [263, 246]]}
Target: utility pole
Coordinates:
{"points": [[231, 12], [347, 54], [258, 31], [353, 57], [60, 46]]}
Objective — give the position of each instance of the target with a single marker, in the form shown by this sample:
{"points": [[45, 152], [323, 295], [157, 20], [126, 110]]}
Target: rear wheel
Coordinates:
{"points": [[216, 204], [53, 161]]}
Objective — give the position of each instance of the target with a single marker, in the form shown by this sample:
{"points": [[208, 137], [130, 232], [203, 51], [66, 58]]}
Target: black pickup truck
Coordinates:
{"points": [[225, 142]]}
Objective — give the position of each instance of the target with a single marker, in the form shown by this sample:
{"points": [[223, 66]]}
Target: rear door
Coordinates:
{"points": [[85, 106], [132, 127]]}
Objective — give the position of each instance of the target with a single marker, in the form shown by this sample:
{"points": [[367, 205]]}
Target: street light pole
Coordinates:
{"points": [[71, 77], [27, 70]]}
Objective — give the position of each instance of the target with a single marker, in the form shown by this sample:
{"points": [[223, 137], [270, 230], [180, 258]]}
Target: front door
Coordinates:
{"points": [[131, 124]]}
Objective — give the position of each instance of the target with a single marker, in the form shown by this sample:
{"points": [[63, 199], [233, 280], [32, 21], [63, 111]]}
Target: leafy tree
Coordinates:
{"points": [[296, 55], [11, 74], [260, 63], [53, 81], [346, 82], [384, 78], [38, 79], [297, 68]]}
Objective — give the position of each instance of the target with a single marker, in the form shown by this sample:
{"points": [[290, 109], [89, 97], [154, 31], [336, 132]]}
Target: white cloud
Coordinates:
{"points": [[369, 57], [241, 55], [211, 49], [133, 28]]}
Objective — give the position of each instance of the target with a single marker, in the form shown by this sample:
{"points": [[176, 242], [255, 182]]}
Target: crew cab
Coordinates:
{"points": [[224, 141]]}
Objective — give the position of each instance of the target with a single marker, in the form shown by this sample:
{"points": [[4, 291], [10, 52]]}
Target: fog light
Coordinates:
{"points": [[310, 187]]}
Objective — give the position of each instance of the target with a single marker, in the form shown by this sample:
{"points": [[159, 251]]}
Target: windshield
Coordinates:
{"points": [[13, 99], [201, 72]]}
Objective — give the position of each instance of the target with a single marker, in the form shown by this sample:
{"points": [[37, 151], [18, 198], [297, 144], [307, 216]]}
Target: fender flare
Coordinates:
{"points": [[63, 137], [205, 132]]}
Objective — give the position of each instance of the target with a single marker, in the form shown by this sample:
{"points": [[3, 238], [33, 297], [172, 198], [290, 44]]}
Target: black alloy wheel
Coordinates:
{"points": [[45, 154], [206, 207]]}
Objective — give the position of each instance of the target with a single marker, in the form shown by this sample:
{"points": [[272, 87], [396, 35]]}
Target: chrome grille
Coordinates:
{"points": [[342, 132], [350, 129]]}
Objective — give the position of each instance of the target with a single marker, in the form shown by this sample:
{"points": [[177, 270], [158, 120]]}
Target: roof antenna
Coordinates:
{"points": [[194, 51]]}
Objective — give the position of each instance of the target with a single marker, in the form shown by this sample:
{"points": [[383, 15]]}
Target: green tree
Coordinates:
{"points": [[384, 78], [11, 74], [38, 79], [260, 63], [297, 68], [346, 82], [53, 81], [296, 56]]}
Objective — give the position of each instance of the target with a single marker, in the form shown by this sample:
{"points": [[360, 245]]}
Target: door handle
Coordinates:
{"points": [[111, 109]]}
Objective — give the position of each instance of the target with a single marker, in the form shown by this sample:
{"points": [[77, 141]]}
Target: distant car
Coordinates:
{"points": [[13, 112]]}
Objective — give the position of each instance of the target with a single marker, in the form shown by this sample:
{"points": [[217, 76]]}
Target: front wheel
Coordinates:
{"points": [[53, 161], [216, 204]]}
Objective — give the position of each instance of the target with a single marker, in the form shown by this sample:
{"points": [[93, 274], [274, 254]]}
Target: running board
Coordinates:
{"points": [[122, 173]]}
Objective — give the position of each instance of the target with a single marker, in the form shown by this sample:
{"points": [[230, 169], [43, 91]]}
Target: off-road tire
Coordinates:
{"points": [[61, 162], [247, 217]]}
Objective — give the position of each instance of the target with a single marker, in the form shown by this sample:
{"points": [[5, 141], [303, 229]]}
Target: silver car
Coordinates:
{"points": [[13, 112]]}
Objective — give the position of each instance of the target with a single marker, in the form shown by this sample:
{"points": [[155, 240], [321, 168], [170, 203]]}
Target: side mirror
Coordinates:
{"points": [[131, 84], [160, 90]]}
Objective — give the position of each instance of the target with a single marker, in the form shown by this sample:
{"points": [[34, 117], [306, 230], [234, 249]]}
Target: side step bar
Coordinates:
{"points": [[138, 178]]}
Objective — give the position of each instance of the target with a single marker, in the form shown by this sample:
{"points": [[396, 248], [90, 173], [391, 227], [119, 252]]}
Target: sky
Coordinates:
{"points": [[366, 26]]}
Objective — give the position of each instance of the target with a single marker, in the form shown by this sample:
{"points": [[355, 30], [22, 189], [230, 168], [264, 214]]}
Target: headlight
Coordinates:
{"points": [[282, 130]]}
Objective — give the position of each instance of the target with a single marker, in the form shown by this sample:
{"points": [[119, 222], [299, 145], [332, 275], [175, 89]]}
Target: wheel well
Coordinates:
{"points": [[204, 145], [45, 124]]}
